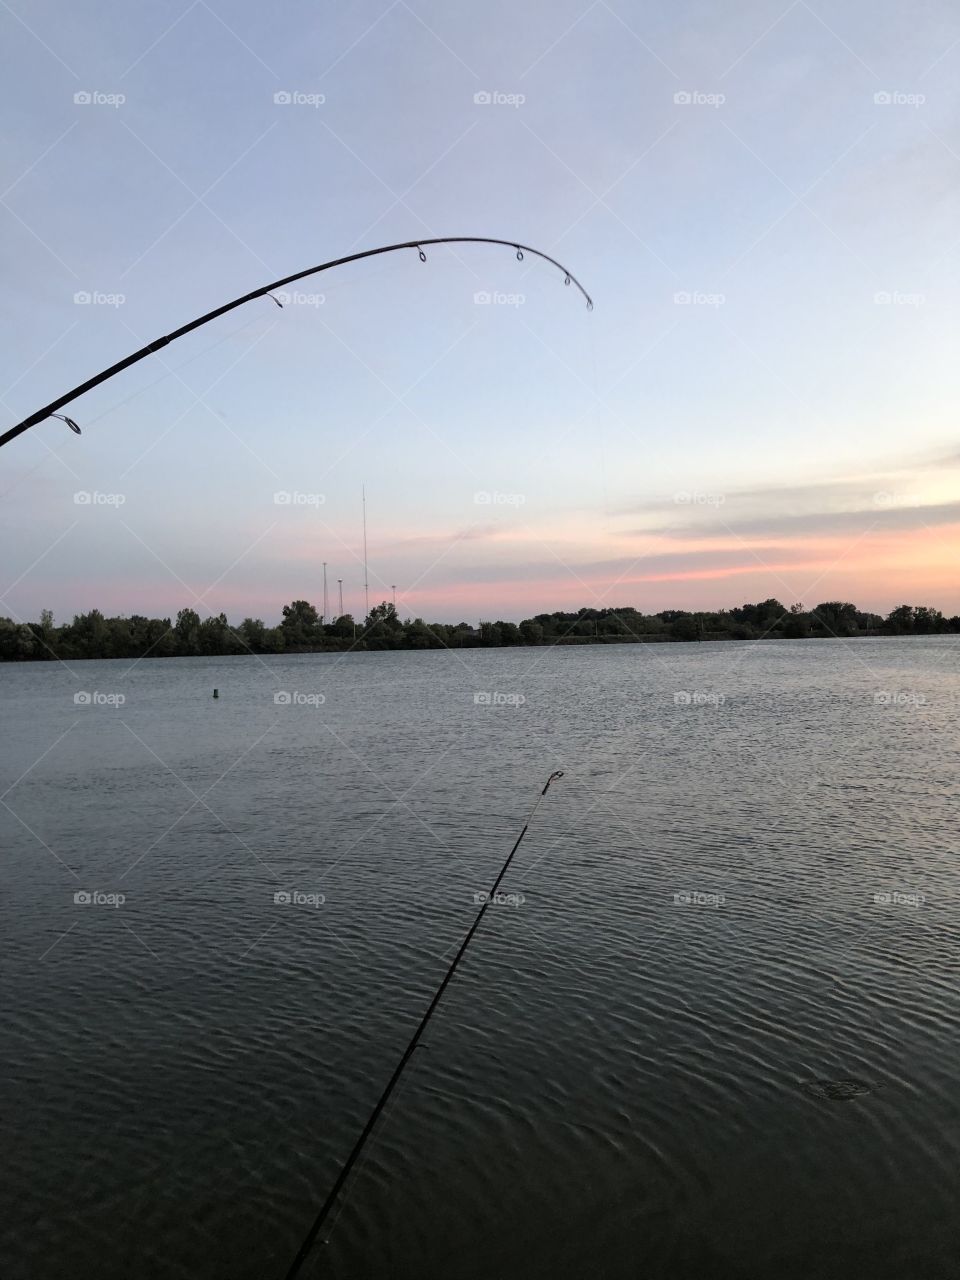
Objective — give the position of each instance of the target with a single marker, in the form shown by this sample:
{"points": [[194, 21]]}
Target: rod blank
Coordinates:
{"points": [[311, 1236], [49, 410]]}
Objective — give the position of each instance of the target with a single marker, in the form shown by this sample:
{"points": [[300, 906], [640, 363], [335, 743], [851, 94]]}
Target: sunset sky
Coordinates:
{"points": [[762, 199]]}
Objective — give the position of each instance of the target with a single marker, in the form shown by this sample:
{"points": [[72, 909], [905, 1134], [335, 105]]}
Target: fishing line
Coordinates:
{"points": [[266, 290], [328, 1204]]}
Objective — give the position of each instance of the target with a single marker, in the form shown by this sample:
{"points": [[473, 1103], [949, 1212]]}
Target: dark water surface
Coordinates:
{"points": [[717, 1038]]}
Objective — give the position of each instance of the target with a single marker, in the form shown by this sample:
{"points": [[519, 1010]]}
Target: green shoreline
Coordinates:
{"points": [[91, 635]]}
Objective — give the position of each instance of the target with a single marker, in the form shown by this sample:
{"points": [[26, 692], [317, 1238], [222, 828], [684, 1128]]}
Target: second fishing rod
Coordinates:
{"points": [[334, 1194]]}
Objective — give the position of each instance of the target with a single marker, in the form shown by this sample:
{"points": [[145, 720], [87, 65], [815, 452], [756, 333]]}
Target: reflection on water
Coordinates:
{"points": [[710, 1029]]}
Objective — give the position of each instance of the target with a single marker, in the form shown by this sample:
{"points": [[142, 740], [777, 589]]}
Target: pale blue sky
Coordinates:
{"points": [[798, 204]]}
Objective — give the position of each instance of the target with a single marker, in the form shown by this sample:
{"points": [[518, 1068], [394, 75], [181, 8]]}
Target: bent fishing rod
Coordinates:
{"points": [[328, 1204], [49, 411]]}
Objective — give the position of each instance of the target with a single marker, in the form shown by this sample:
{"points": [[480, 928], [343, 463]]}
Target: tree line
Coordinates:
{"points": [[302, 630]]}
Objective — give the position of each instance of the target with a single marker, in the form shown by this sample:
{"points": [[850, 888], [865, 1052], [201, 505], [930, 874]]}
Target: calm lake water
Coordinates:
{"points": [[716, 1038]]}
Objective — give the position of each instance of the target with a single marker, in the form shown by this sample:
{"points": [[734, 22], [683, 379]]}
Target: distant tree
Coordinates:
{"points": [[835, 617], [797, 624], [685, 627], [383, 626], [17, 641], [187, 631], [301, 623], [344, 626], [421, 636], [159, 638], [900, 620], [927, 620], [217, 636], [251, 631]]}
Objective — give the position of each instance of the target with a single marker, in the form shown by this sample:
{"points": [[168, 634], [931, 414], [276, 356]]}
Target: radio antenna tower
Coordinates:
{"points": [[366, 583]]}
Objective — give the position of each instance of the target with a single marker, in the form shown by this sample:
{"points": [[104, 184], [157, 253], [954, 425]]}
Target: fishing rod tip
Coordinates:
{"points": [[553, 777]]}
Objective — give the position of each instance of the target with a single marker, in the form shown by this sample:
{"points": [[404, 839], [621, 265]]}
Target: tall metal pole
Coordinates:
{"points": [[340, 585], [366, 584], [324, 591], [393, 586]]}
